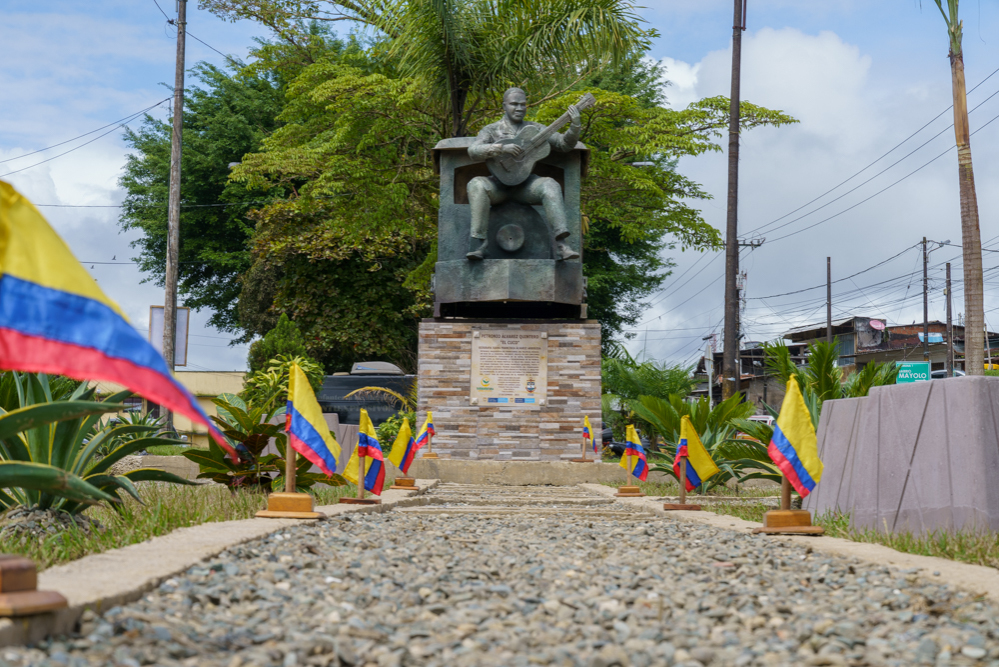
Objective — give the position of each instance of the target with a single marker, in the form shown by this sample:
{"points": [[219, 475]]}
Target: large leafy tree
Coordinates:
{"points": [[462, 51], [225, 117], [355, 148]]}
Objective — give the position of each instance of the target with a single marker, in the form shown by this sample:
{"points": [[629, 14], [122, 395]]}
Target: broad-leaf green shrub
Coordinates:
{"points": [[49, 446], [249, 428]]}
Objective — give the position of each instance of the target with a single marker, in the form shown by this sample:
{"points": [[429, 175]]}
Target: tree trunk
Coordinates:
{"points": [[974, 304]]}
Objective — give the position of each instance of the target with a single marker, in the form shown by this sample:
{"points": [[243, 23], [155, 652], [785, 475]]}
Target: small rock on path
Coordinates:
{"points": [[396, 589]]}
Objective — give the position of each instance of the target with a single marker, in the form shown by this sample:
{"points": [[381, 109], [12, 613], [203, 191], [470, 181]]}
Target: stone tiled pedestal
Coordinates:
{"points": [[549, 433]]}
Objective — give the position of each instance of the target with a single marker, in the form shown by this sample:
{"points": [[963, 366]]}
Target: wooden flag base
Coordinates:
{"points": [[429, 455], [405, 484], [361, 501], [681, 506], [582, 460], [18, 595], [629, 492], [289, 506], [791, 522]]}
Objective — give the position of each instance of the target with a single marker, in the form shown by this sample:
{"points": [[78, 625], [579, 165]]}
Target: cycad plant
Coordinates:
{"points": [[50, 443], [714, 427]]}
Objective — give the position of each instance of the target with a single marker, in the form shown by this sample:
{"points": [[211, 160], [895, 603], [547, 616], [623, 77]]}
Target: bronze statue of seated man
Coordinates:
{"points": [[485, 192]]}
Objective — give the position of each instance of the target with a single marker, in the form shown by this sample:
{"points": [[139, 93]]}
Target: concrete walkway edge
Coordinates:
{"points": [[976, 579], [116, 577]]}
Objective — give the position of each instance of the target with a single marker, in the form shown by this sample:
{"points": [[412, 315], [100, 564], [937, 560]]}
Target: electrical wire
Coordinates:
{"points": [[116, 123]]}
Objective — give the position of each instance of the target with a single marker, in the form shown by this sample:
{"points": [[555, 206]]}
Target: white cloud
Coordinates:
{"points": [[853, 107]]}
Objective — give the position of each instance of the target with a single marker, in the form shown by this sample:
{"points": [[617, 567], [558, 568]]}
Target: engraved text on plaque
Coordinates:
{"points": [[509, 368]]}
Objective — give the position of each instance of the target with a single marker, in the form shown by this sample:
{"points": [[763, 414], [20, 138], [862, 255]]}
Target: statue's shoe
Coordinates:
{"points": [[479, 252], [565, 252]]}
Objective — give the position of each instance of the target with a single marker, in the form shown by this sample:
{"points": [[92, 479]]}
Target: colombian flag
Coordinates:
{"points": [[794, 447], [588, 432], [426, 431], [404, 448], [374, 461], [634, 449], [55, 319], [700, 465], [307, 431]]}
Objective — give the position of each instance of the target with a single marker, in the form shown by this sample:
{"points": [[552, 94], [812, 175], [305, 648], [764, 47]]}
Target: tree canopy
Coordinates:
{"points": [[332, 209]]}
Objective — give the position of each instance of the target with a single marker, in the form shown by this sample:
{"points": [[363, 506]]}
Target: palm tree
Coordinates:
{"points": [[468, 51], [974, 305]]}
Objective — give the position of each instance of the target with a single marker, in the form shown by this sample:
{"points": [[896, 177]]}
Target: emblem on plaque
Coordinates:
{"points": [[531, 386]]}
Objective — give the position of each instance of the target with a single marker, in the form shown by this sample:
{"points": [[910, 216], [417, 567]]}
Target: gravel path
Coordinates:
{"points": [[454, 587]]}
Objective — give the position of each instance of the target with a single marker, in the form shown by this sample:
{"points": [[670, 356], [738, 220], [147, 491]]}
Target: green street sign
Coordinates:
{"points": [[913, 371]]}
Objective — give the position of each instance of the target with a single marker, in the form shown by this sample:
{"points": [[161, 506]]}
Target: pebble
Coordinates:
{"points": [[456, 590]]}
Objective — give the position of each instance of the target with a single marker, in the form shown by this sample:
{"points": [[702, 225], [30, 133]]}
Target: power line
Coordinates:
{"points": [[127, 118], [884, 155]]}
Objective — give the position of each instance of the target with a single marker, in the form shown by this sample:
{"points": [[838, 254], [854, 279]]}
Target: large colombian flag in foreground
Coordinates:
{"points": [[374, 461], [700, 465], [634, 449], [794, 447], [55, 319], [307, 431]]}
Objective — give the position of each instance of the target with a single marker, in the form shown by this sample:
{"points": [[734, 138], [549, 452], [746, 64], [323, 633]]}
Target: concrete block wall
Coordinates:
{"points": [[913, 457], [547, 433]]}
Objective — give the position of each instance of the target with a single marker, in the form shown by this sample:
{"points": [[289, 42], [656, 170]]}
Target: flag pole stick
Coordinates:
{"points": [[430, 448], [683, 480], [360, 474], [289, 468], [785, 493]]}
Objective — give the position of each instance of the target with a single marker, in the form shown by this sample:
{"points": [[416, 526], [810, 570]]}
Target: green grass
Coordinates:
{"points": [[968, 546], [672, 488], [164, 508], [171, 450]]}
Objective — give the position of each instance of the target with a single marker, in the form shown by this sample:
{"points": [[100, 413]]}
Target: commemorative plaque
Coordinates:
{"points": [[509, 368]]}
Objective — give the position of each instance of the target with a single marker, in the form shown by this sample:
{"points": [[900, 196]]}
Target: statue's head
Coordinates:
{"points": [[515, 104]]}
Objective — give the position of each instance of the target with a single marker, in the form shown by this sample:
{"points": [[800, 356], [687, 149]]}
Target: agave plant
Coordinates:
{"points": [[155, 424], [57, 438], [250, 428]]}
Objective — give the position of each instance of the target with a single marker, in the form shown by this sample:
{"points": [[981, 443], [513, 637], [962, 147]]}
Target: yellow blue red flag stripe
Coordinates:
{"points": [[633, 448], [700, 465], [427, 430], [308, 433], [403, 449], [794, 446], [55, 319], [588, 432]]}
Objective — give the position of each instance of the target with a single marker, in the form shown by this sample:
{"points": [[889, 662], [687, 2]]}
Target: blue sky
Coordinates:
{"points": [[860, 76]]}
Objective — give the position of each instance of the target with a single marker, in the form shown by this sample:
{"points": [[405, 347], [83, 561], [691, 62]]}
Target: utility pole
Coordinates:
{"points": [[926, 306], [950, 331], [829, 337], [731, 366], [173, 211]]}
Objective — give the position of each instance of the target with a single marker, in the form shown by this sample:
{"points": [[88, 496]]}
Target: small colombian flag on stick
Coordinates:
{"points": [[794, 446], [403, 449], [588, 432], [307, 431], [634, 454], [700, 465], [374, 461]]}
